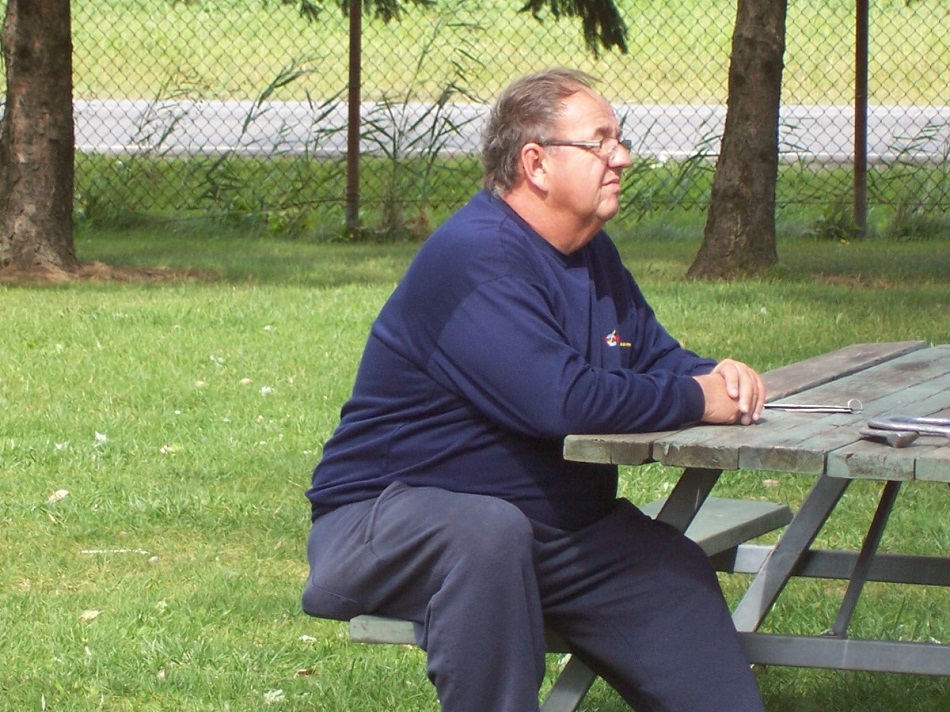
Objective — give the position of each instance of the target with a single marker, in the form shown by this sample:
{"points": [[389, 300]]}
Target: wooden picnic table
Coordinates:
{"points": [[907, 378]]}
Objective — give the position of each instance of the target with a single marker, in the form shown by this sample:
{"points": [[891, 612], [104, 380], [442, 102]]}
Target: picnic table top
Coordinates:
{"points": [[904, 378]]}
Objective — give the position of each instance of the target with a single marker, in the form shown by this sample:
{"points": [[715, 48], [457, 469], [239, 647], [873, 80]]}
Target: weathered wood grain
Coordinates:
{"points": [[889, 379]]}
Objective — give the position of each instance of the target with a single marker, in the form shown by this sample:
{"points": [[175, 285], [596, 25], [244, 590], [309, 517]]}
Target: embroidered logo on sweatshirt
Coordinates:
{"points": [[613, 340]]}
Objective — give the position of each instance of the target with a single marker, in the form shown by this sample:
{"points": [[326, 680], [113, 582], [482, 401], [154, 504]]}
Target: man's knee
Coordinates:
{"points": [[491, 532]]}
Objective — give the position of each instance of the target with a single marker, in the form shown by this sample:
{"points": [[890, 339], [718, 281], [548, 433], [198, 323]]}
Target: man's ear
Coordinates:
{"points": [[532, 166]]}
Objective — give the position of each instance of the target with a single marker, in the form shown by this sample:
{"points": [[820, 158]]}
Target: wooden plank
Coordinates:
{"points": [[722, 524], [880, 388], [873, 461], [379, 629], [640, 448], [880, 381], [847, 653], [708, 446], [624, 449], [382, 630], [799, 442], [827, 367], [934, 465], [865, 460]]}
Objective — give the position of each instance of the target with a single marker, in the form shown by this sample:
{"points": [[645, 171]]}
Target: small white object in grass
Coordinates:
{"points": [[272, 697], [101, 438], [266, 390], [100, 552], [245, 381], [89, 615], [58, 495]]}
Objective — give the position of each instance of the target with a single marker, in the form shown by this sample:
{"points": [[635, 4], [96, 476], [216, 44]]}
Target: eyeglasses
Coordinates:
{"points": [[605, 148]]}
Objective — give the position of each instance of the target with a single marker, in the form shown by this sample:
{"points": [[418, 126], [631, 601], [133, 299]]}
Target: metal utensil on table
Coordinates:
{"points": [[912, 424], [852, 406], [894, 438]]}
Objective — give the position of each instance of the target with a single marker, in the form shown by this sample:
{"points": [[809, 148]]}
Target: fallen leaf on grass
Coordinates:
{"points": [[89, 615], [306, 671], [772, 483]]}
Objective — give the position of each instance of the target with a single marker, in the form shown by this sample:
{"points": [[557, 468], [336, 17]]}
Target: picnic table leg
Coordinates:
{"points": [[570, 687], [779, 565], [862, 566], [688, 496]]}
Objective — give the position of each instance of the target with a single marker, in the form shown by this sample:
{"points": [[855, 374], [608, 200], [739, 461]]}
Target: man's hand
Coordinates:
{"points": [[734, 393]]}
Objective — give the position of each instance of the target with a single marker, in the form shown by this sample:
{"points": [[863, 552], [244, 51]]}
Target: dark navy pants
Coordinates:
{"points": [[636, 600]]}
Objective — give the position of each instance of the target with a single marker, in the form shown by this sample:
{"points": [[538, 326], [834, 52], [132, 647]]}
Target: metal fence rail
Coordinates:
{"points": [[240, 105]]}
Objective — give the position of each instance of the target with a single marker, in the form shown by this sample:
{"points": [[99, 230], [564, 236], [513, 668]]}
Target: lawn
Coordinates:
{"points": [[678, 51], [156, 440]]}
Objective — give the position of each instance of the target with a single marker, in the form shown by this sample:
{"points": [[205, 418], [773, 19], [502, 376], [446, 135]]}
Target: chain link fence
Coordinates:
{"points": [[239, 108]]}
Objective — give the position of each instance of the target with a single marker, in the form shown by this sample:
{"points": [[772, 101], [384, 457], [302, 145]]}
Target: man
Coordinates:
{"points": [[443, 497]]}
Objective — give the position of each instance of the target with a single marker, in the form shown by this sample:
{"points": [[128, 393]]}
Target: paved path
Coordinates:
{"points": [[807, 133]]}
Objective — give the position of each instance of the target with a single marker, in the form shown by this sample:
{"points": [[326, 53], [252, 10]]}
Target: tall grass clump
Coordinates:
{"points": [[407, 138]]}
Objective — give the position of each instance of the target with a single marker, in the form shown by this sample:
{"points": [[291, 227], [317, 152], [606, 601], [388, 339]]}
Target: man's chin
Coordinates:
{"points": [[608, 209]]}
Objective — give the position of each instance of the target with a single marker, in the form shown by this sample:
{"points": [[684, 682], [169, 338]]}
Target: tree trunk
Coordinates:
{"points": [[740, 227], [36, 139]]}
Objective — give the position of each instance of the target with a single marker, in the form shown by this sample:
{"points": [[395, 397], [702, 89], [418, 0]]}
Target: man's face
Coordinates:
{"points": [[585, 185]]}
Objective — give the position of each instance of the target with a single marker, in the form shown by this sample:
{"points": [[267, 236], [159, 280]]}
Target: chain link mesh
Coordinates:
{"points": [[238, 107]]}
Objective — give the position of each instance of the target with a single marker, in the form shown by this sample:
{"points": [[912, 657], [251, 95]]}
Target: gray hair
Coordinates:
{"points": [[526, 111]]}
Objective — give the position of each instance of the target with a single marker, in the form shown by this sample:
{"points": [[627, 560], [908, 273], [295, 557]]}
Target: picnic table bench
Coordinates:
{"points": [[724, 527]]}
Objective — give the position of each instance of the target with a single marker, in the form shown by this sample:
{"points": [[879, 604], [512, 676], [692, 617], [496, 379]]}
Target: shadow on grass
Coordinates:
{"points": [[238, 259]]}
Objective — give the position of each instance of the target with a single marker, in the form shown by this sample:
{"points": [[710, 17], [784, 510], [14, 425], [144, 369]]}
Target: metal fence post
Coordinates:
{"points": [[861, 117], [353, 118]]}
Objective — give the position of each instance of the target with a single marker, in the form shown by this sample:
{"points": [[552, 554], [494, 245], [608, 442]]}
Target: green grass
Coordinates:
{"points": [[677, 52], [184, 420]]}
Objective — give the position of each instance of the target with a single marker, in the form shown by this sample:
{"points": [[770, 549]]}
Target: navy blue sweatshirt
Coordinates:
{"points": [[493, 348]]}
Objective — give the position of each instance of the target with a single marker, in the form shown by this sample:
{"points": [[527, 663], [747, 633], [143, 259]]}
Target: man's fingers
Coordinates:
{"points": [[745, 386]]}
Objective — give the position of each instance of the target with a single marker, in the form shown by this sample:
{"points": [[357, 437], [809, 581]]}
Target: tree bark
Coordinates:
{"points": [[740, 228], [36, 139]]}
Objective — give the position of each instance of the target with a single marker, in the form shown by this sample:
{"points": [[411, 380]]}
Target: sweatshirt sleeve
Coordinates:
{"points": [[505, 353], [656, 349]]}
